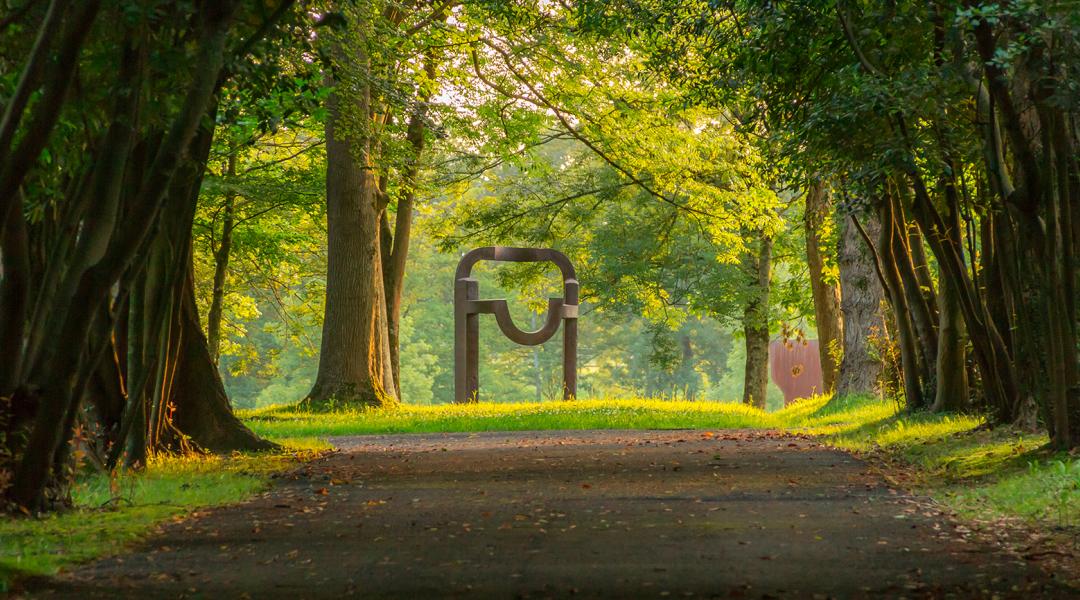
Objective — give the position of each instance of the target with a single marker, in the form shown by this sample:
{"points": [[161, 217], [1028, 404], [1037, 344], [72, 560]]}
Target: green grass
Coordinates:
{"points": [[976, 471], [287, 422], [113, 512]]}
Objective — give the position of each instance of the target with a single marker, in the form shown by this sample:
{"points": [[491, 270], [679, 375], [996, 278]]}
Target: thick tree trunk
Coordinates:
{"points": [[826, 294], [952, 384], [203, 411], [758, 268], [14, 299], [185, 400], [62, 368], [861, 298], [952, 392], [354, 358]]}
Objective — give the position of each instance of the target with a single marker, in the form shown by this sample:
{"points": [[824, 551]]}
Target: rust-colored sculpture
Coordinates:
{"points": [[796, 368], [468, 307]]}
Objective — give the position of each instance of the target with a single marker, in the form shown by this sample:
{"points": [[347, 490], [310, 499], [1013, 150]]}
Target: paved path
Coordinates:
{"points": [[555, 514]]}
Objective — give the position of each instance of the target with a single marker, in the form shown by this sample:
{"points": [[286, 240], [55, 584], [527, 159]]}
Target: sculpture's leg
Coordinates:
{"points": [[466, 341], [570, 322], [472, 352]]}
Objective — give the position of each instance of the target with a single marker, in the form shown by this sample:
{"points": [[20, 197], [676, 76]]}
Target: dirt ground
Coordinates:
{"points": [[619, 514]]}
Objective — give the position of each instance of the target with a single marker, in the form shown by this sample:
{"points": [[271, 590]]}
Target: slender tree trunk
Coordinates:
{"points": [[861, 299], [687, 376], [952, 391], [906, 335], [826, 294], [399, 246], [758, 267], [919, 299], [221, 269]]}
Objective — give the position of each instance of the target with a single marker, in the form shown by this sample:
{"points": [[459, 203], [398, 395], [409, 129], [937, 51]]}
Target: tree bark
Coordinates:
{"points": [[186, 400], [203, 411], [918, 299], [398, 255], [14, 298], [221, 269], [354, 358], [826, 295], [399, 247], [861, 298], [758, 268], [952, 392], [61, 368], [952, 383], [906, 336]]}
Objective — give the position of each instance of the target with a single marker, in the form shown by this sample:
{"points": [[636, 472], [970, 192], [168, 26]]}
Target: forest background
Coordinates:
{"points": [[251, 189]]}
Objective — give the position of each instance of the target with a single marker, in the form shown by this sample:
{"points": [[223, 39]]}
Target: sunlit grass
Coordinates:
{"points": [[112, 512], [284, 422], [977, 471]]}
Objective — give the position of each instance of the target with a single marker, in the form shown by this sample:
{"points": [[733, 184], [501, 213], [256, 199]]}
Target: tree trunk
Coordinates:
{"points": [[952, 384], [354, 358], [826, 294], [63, 367], [221, 269], [202, 408], [758, 267], [687, 377], [399, 246], [185, 400], [14, 298], [861, 298], [952, 392], [906, 336], [918, 294]]}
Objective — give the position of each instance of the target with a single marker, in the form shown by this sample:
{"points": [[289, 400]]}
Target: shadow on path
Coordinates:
{"points": [[567, 513]]}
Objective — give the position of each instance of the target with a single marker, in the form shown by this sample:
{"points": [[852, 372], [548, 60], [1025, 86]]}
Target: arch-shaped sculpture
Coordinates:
{"points": [[468, 307]]}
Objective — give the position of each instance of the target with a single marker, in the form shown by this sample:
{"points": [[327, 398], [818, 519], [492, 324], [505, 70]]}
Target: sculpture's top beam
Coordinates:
{"points": [[509, 254]]}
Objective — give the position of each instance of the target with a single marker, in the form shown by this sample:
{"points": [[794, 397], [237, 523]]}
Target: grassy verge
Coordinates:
{"points": [[286, 422], [978, 472], [113, 512]]}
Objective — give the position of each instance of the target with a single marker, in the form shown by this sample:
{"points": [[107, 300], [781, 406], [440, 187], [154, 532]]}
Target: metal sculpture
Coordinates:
{"points": [[468, 307], [795, 366]]}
